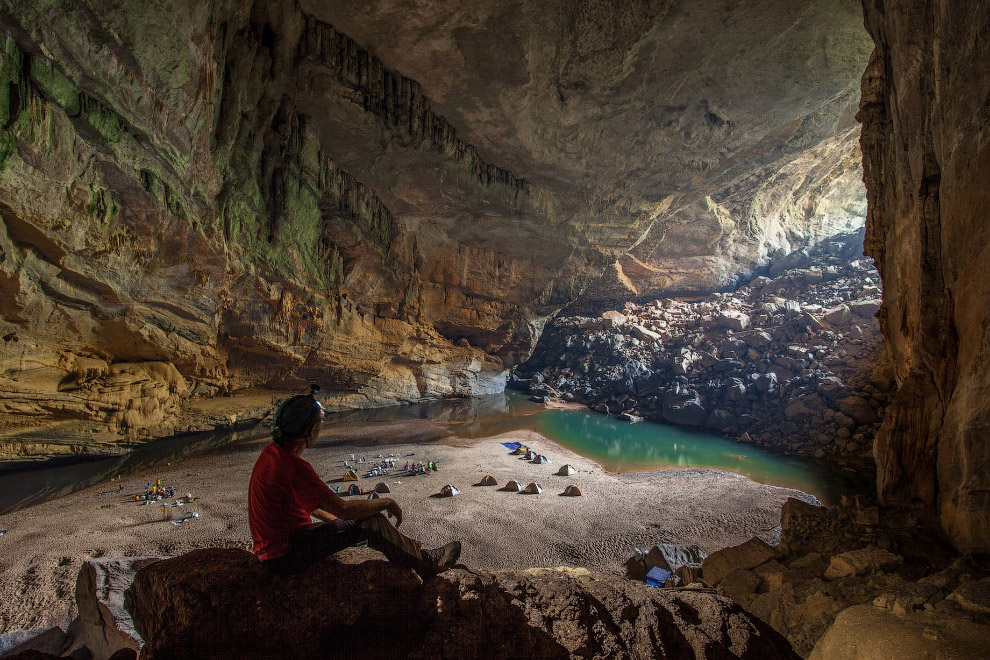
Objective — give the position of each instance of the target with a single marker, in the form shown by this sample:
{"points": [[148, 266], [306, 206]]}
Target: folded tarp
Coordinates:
{"points": [[657, 576], [512, 445]]}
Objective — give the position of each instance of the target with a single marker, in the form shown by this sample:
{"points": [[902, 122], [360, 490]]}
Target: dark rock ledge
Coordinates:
{"points": [[217, 603]]}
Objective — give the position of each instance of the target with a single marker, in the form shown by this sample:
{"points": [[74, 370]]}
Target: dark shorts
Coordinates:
{"points": [[311, 543]]}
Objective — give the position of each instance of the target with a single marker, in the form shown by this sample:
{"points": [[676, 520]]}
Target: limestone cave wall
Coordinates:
{"points": [[389, 199], [926, 147]]}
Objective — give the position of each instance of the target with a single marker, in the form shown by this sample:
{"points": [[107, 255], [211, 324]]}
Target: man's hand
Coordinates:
{"points": [[393, 509]]}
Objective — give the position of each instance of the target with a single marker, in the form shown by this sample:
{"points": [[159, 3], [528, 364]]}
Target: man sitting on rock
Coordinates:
{"points": [[285, 491]]}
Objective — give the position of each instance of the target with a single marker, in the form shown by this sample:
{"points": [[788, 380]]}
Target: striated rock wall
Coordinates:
{"points": [[390, 200], [926, 150]]}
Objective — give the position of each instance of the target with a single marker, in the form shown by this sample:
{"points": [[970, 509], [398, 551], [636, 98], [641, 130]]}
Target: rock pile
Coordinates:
{"points": [[842, 570], [793, 360]]}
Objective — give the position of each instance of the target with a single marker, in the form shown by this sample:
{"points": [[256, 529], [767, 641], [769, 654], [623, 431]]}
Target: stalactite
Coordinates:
{"points": [[398, 101]]}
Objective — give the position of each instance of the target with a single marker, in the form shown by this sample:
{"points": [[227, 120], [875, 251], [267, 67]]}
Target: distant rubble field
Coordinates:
{"points": [[794, 360]]}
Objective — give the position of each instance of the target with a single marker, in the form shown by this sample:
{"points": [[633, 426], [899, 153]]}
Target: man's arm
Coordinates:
{"points": [[356, 509]]}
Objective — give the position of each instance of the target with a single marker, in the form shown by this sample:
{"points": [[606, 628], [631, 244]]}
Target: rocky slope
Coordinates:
{"points": [[840, 571], [377, 610], [388, 199], [926, 151], [794, 360]]}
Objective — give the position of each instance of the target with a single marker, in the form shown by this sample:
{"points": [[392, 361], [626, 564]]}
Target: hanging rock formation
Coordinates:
{"points": [[389, 200]]}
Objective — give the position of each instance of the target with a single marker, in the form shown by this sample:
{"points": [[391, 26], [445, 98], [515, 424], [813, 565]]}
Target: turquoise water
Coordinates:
{"points": [[623, 447], [618, 446]]}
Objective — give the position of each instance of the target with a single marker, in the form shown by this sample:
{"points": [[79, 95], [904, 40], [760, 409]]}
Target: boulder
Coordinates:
{"points": [[864, 632], [218, 603], [642, 334], [838, 316], [973, 596], [733, 320], [740, 584], [686, 410], [48, 643], [864, 561], [748, 555], [858, 409], [613, 319], [757, 339], [720, 419], [103, 625], [865, 308]]}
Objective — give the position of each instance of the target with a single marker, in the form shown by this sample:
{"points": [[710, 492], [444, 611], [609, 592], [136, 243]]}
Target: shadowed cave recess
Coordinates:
{"points": [[766, 219]]}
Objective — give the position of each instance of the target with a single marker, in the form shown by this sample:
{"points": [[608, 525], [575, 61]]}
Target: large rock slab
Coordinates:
{"points": [[865, 632], [863, 561], [218, 603], [103, 625], [747, 555]]}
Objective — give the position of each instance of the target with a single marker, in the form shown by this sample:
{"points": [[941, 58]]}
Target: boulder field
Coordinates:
{"points": [[793, 360]]}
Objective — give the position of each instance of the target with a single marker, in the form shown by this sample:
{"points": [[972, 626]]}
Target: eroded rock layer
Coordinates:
{"points": [[389, 199], [926, 149]]}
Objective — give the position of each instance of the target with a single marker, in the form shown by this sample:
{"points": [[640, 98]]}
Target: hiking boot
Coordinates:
{"points": [[439, 559]]}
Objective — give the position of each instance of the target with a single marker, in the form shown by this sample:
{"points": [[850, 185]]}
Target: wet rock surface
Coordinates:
{"points": [[793, 361], [217, 603]]}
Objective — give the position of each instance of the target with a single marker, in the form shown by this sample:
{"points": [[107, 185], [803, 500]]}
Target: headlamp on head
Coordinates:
{"points": [[296, 416]]}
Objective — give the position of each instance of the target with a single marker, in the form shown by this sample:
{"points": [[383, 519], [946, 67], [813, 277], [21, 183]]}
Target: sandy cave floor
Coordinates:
{"points": [[45, 545]]}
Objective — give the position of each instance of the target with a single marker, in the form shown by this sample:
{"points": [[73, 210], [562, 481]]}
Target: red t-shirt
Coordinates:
{"points": [[284, 490]]}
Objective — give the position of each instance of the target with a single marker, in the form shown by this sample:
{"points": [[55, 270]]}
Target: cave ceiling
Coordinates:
{"points": [[394, 196]]}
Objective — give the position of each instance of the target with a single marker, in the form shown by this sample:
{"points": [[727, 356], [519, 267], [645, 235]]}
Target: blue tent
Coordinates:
{"points": [[512, 445], [657, 576], [354, 490]]}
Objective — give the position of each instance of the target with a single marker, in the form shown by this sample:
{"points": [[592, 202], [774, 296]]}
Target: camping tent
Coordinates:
{"points": [[529, 455], [488, 480], [374, 495], [354, 490], [533, 489], [513, 485], [572, 491], [448, 491], [351, 476], [382, 487], [521, 449], [540, 459], [566, 470]]}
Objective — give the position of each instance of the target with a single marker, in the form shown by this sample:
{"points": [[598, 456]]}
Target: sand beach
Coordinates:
{"points": [[45, 544]]}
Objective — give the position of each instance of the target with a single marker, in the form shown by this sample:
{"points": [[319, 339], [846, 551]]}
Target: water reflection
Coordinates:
{"points": [[31, 482], [618, 446]]}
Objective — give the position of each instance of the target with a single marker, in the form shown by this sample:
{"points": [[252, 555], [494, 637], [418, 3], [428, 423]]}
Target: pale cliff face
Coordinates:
{"points": [[926, 149]]}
